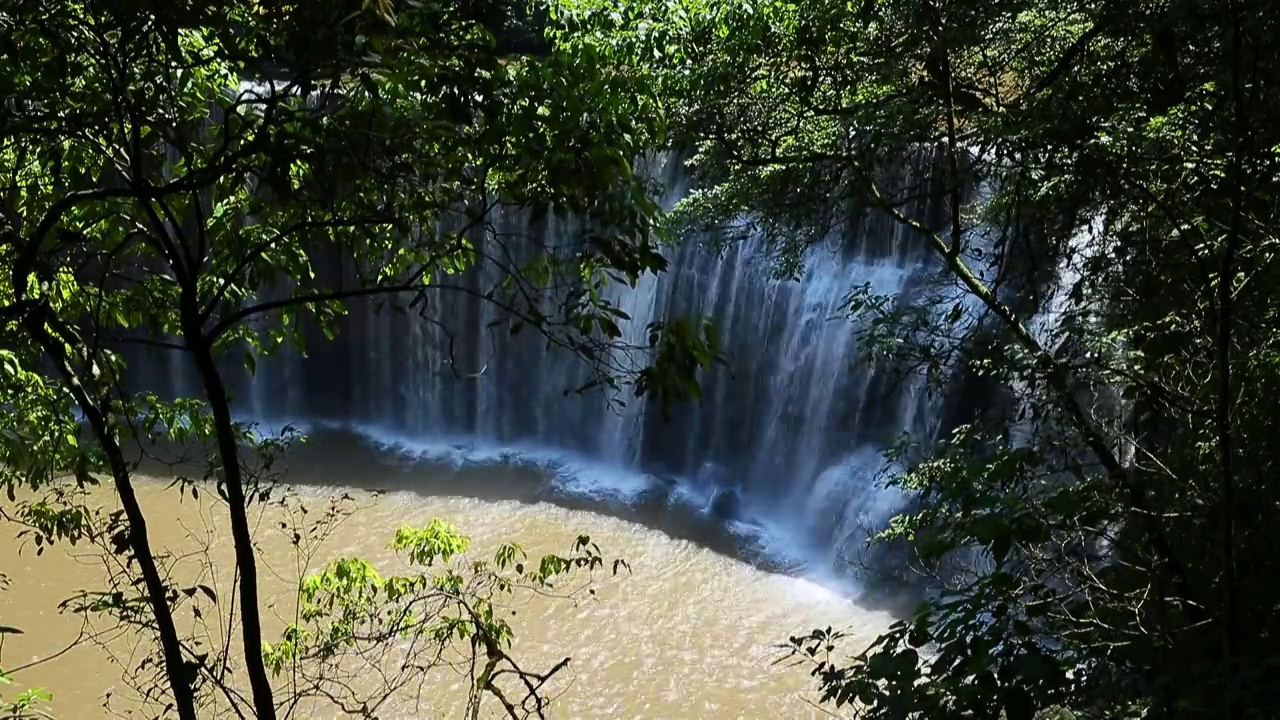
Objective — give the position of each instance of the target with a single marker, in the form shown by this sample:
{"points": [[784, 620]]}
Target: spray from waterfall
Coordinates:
{"points": [[793, 424]]}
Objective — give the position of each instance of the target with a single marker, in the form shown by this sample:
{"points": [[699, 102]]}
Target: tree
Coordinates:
{"points": [[399, 628], [26, 704], [174, 170], [1097, 206]]}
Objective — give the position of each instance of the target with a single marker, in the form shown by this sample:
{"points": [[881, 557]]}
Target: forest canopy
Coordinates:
{"points": [[1094, 183], [1111, 163], [206, 182]]}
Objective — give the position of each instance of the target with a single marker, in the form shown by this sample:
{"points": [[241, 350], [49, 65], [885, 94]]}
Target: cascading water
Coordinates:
{"points": [[795, 421]]}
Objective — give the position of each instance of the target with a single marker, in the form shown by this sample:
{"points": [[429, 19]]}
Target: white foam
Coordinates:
{"points": [[784, 540], [569, 473]]}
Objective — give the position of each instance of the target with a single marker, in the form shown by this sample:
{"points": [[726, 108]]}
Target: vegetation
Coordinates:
{"points": [[399, 628], [1094, 183], [1098, 196], [172, 171]]}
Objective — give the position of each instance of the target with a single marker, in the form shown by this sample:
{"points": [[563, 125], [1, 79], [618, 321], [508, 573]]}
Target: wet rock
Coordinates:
{"points": [[667, 481], [657, 494], [726, 504]]}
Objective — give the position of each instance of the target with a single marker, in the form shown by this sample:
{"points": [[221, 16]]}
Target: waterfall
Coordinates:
{"points": [[795, 421]]}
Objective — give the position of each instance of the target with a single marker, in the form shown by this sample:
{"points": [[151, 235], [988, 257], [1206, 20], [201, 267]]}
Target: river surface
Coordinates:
{"points": [[692, 632]]}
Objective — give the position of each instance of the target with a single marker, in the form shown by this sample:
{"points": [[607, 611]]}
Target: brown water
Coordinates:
{"points": [[691, 633]]}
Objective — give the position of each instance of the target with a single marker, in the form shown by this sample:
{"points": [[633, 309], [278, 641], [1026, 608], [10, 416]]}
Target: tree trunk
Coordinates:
{"points": [[171, 648], [246, 562]]}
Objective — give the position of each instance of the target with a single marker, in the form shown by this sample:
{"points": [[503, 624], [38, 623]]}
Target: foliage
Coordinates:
{"points": [[28, 704], [1093, 184], [206, 179], [376, 635]]}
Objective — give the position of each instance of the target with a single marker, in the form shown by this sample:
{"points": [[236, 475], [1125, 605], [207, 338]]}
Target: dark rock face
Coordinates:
{"points": [[726, 504]]}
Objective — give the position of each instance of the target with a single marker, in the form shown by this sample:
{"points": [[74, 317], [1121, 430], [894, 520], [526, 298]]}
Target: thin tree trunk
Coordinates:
{"points": [[246, 562], [170, 646]]}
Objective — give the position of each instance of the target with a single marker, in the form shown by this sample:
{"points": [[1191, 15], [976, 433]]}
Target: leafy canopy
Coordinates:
{"points": [[1093, 186]]}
